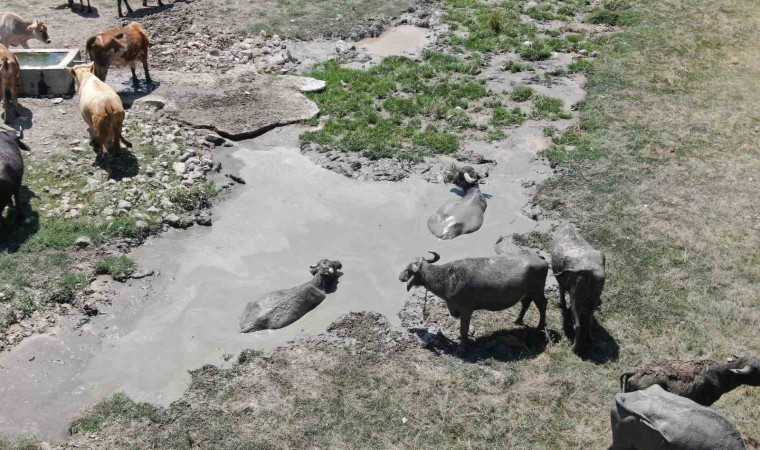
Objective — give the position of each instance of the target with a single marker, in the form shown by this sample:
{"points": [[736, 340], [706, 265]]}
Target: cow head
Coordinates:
{"points": [[101, 49], [465, 178], [326, 267], [38, 28], [79, 72], [410, 274], [747, 368]]}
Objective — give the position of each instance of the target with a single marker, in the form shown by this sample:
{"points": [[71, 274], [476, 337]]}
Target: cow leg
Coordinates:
{"points": [[24, 45], [14, 98], [135, 81], [160, 3], [107, 159], [89, 8], [144, 59], [523, 309]]}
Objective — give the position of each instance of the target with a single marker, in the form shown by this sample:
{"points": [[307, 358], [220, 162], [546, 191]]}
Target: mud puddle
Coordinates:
{"points": [[403, 40], [290, 214]]}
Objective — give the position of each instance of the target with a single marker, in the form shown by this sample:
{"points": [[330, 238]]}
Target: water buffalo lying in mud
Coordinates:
{"points": [[493, 284], [702, 381], [464, 215], [579, 269], [11, 171], [655, 419], [281, 308]]}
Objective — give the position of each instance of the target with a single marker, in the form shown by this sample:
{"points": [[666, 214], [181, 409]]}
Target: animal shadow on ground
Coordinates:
{"points": [[78, 10], [515, 344], [22, 118], [460, 193], [123, 164], [13, 235], [604, 347], [141, 12], [129, 92]]}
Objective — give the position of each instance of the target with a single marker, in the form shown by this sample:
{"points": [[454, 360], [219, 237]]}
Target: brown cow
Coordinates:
{"points": [[9, 80], [120, 47], [102, 109], [129, 10], [15, 30]]}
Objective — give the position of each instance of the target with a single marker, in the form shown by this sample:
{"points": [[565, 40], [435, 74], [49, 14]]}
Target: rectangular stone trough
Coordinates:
{"points": [[44, 71]]}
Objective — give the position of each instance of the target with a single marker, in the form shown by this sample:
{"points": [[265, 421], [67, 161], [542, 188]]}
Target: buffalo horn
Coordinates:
{"points": [[746, 370], [436, 257], [469, 178]]}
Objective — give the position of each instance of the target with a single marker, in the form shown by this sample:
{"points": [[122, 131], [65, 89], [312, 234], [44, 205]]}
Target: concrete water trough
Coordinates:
{"points": [[44, 71]]}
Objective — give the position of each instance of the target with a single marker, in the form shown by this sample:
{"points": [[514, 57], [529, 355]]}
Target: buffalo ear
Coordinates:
{"points": [[337, 265]]}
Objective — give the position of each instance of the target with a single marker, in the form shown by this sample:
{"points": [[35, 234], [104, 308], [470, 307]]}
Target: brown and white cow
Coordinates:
{"points": [[15, 30], [103, 111], [9, 80], [119, 46], [129, 9]]}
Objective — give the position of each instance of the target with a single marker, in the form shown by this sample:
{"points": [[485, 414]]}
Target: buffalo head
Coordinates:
{"points": [[464, 177], [12, 135], [747, 368], [326, 267], [410, 274]]}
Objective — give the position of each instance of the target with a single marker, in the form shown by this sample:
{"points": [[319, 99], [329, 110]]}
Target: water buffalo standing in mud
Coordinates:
{"points": [[11, 171], [702, 381], [579, 269], [655, 419], [464, 215], [493, 284], [281, 308]]}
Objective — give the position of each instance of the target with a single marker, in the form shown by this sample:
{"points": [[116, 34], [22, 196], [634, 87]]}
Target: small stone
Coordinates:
{"points": [[123, 204], [179, 168], [83, 242], [203, 219], [57, 101], [215, 139]]}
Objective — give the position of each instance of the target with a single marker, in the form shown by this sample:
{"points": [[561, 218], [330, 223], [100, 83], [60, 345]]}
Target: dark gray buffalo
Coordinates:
{"points": [[702, 381], [579, 269], [463, 215], [11, 171], [281, 308], [493, 284], [655, 419]]}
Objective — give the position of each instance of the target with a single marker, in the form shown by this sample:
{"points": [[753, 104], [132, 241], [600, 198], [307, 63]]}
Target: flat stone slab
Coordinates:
{"points": [[237, 105]]}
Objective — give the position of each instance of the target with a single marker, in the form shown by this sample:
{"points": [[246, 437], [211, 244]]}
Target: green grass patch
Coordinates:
{"points": [[579, 65], [521, 93], [535, 239], [120, 267], [537, 50], [545, 107], [117, 407], [65, 289], [379, 112], [515, 67], [195, 197]]}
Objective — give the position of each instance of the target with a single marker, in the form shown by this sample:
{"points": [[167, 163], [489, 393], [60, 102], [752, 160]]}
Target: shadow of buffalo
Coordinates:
{"points": [[604, 348], [504, 345], [13, 234]]}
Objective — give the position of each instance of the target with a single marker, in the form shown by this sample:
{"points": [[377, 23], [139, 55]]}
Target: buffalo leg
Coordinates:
{"points": [[19, 211], [539, 299], [523, 309], [464, 327], [579, 297], [562, 302]]}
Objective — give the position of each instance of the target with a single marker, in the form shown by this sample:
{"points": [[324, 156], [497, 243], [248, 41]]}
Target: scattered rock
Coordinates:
{"points": [[215, 139], [236, 178], [83, 242]]}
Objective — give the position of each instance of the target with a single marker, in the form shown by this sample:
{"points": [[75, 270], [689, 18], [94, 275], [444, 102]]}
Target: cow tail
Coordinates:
{"points": [[624, 380]]}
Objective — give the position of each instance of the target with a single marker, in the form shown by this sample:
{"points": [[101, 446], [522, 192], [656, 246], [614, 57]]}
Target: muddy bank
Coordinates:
{"points": [[289, 214]]}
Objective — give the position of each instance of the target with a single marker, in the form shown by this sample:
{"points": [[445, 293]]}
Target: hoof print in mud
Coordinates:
{"points": [[281, 308]]}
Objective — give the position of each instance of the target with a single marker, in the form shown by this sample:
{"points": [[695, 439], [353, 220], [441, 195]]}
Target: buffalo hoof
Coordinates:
{"points": [[519, 322]]}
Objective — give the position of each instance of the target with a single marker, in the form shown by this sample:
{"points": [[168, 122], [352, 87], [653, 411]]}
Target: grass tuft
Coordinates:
{"points": [[120, 267], [521, 93]]}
